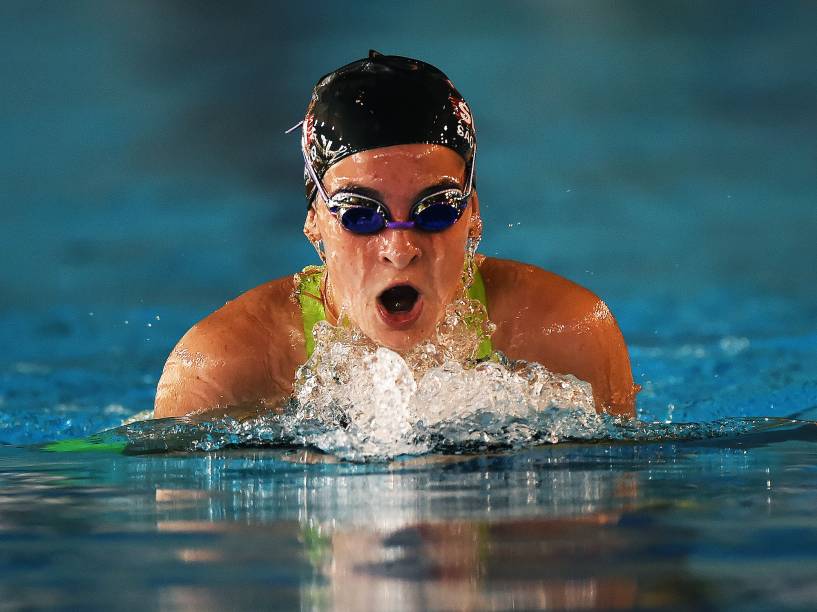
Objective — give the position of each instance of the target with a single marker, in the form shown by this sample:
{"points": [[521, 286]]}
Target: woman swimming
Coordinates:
{"points": [[389, 148]]}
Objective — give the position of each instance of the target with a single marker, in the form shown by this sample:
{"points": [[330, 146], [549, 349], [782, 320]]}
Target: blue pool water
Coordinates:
{"points": [[663, 155]]}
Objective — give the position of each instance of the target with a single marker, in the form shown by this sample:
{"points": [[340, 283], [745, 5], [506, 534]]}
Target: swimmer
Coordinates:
{"points": [[389, 148]]}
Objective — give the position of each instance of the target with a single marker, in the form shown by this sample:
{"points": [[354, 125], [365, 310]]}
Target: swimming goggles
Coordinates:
{"points": [[364, 215]]}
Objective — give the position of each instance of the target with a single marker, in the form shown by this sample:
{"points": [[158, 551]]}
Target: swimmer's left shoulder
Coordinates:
{"points": [[543, 317], [515, 289]]}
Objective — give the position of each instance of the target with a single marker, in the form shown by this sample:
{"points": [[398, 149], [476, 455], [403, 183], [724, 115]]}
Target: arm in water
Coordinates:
{"points": [[543, 317], [239, 360]]}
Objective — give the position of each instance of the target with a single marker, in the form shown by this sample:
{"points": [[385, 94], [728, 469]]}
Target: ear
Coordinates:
{"points": [[475, 221], [311, 230], [474, 203]]}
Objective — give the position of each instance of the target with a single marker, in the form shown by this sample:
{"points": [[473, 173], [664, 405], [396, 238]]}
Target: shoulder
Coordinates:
{"points": [[517, 289], [541, 316], [261, 313], [244, 352]]}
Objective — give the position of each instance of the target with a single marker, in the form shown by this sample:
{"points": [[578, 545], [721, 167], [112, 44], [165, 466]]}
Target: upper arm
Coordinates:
{"points": [[194, 378], [584, 339], [213, 374], [238, 359], [601, 358], [226, 369], [545, 318]]}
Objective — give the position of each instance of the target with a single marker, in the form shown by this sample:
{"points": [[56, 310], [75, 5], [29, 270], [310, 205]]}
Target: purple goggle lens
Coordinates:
{"points": [[362, 215]]}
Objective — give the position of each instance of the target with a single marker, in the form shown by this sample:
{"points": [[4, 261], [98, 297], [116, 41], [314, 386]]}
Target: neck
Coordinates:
{"points": [[326, 297]]}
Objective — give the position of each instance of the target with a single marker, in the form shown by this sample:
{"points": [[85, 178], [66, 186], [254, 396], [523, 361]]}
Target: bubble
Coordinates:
{"points": [[359, 401]]}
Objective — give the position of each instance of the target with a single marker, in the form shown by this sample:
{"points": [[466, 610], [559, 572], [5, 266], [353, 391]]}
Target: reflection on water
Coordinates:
{"points": [[473, 565], [380, 540], [585, 525]]}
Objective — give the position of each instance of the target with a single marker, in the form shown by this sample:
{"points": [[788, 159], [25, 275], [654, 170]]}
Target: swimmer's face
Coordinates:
{"points": [[395, 284]]}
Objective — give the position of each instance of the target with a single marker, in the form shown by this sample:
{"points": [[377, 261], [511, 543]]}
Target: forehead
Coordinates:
{"points": [[407, 164]]}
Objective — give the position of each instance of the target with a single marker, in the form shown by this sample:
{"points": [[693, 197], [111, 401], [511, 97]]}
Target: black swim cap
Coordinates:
{"points": [[379, 101]]}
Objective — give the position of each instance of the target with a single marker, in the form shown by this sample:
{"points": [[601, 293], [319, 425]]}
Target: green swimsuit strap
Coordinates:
{"points": [[477, 292], [309, 295], [312, 311]]}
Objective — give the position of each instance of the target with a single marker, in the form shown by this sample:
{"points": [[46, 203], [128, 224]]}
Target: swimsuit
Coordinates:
{"points": [[312, 311]]}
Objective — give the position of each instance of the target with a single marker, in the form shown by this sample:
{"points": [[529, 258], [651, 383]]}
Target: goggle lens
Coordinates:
{"points": [[362, 219], [362, 215], [438, 212]]}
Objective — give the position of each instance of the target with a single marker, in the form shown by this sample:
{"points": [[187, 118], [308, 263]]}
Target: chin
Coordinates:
{"points": [[402, 340]]}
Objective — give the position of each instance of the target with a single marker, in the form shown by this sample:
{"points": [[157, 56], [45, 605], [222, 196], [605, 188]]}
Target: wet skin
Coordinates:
{"points": [[243, 357]]}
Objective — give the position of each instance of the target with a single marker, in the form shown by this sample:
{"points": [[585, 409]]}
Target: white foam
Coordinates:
{"points": [[361, 400]]}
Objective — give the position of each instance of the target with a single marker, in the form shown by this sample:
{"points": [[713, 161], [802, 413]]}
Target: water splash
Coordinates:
{"points": [[379, 406], [480, 432], [380, 403], [360, 402]]}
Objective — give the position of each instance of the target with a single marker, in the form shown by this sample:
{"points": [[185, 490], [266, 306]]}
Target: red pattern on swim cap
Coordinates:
{"points": [[461, 110], [309, 130]]}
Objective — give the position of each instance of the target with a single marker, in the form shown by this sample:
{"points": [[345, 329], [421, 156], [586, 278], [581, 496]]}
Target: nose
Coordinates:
{"points": [[397, 248]]}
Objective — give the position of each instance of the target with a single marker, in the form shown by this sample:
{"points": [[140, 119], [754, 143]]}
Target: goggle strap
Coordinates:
{"points": [[389, 224], [312, 175], [470, 188]]}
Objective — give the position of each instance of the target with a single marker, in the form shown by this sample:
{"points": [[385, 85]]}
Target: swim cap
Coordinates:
{"points": [[379, 101]]}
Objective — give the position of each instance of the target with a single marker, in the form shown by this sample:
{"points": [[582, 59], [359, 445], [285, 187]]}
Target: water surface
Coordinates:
{"points": [[662, 155]]}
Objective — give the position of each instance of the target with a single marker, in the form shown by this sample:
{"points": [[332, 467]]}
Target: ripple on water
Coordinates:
{"points": [[365, 404]]}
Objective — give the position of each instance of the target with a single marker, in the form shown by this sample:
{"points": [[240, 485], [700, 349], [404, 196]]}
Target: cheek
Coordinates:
{"points": [[348, 259], [344, 263], [448, 255]]}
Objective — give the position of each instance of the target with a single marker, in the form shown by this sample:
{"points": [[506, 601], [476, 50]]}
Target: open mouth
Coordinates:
{"points": [[399, 305], [399, 299]]}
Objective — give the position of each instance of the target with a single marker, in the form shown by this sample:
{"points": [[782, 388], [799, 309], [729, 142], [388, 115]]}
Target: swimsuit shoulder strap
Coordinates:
{"points": [[477, 292], [309, 296]]}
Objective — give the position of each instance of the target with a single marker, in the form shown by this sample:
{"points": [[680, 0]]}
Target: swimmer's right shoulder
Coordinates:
{"points": [[259, 312], [244, 353]]}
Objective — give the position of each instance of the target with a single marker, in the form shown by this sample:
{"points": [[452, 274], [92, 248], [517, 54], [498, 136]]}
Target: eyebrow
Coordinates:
{"points": [[375, 194]]}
